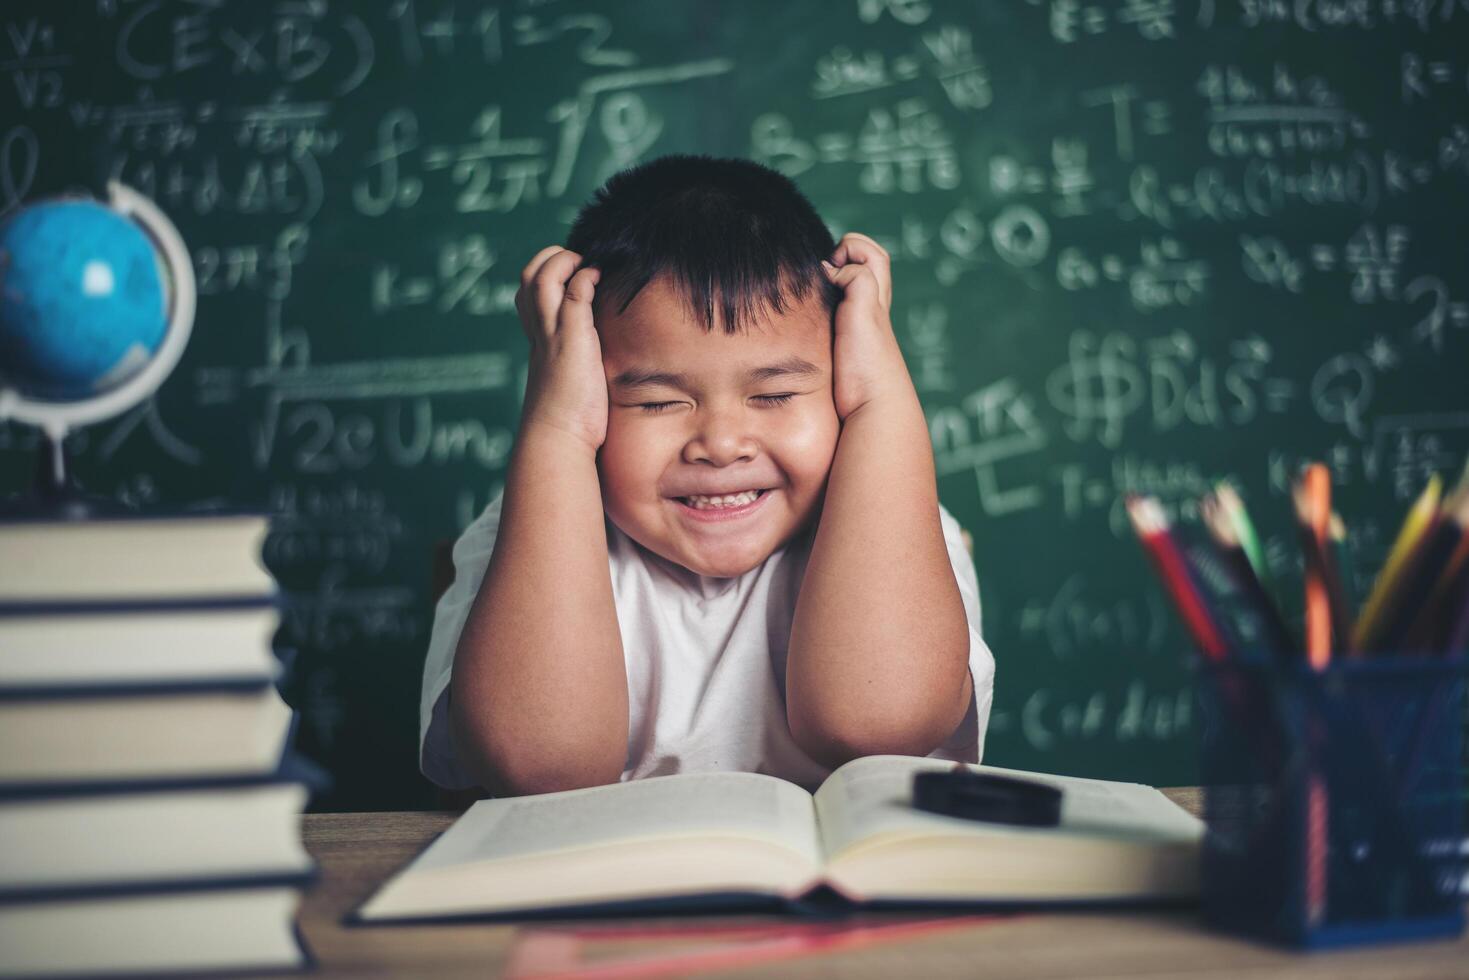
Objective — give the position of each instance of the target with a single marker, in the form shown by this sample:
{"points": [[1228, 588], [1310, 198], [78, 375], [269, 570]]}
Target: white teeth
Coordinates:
{"points": [[728, 500]]}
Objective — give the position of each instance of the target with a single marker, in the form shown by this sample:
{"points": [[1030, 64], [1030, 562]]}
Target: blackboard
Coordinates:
{"points": [[1137, 244]]}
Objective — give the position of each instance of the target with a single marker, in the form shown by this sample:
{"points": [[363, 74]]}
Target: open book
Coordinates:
{"points": [[734, 839]]}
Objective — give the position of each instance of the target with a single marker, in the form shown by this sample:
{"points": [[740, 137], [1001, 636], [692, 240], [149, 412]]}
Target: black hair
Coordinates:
{"points": [[737, 238]]}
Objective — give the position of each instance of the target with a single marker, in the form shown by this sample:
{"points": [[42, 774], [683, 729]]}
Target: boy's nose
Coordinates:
{"points": [[721, 439]]}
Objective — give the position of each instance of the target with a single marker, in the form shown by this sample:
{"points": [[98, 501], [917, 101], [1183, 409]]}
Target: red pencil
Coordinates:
{"points": [[1152, 529]]}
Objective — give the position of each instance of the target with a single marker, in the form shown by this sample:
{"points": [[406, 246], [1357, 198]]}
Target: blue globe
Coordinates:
{"points": [[83, 304]]}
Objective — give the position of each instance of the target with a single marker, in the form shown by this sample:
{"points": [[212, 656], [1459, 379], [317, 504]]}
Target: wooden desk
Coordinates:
{"points": [[357, 851]]}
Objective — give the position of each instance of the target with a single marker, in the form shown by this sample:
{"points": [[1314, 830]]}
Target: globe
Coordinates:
{"points": [[96, 305], [82, 300]]}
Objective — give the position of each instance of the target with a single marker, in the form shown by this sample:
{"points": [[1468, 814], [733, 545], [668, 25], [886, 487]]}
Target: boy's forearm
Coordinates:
{"points": [[539, 690], [879, 647]]}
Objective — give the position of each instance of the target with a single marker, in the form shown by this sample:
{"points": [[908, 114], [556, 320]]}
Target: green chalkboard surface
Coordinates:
{"points": [[1137, 244]]}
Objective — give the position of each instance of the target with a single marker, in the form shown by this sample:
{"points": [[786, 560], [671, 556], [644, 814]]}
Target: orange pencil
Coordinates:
{"points": [[1312, 495]]}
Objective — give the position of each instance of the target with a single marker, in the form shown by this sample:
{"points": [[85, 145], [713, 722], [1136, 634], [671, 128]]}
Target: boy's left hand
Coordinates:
{"points": [[866, 362]]}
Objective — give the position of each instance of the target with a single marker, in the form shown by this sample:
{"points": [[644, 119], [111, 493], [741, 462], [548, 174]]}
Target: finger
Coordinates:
{"points": [[523, 304], [857, 282], [528, 274], [576, 306], [549, 287], [858, 248]]}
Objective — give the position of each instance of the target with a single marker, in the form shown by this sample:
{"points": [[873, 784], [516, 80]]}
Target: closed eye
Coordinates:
{"points": [[653, 408]]}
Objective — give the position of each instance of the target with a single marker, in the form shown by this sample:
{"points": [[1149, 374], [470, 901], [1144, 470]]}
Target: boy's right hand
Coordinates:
{"points": [[566, 388]]}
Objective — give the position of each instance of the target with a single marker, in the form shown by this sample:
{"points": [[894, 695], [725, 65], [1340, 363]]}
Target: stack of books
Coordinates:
{"points": [[149, 804]]}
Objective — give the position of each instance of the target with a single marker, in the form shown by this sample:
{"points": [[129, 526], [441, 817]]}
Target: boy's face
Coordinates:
{"points": [[717, 430]]}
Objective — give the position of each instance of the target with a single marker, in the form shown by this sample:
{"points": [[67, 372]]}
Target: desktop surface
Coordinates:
{"points": [[358, 851]]}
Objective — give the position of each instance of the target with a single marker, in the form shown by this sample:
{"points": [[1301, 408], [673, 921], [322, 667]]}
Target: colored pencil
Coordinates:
{"points": [[1312, 494], [1342, 559], [1415, 608], [1151, 525], [1221, 593], [1449, 602], [1312, 497], [1458, 637], [1271, 626], [1435, 623], [1420, 517], [1244, 530]]}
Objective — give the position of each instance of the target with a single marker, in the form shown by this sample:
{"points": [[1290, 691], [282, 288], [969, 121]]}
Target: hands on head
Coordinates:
{"points": [[867, 364], [566, 389], [863, 270]]}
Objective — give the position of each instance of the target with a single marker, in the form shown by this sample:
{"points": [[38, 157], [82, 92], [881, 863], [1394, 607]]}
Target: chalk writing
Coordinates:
{"points": [[1137, 245]]}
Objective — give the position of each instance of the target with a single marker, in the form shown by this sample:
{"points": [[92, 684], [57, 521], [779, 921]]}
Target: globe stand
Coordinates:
{"points": [[55, 494], [54, 484]]}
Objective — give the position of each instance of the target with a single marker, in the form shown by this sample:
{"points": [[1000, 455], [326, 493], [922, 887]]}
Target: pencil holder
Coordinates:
{"points": [[1334, 800]]}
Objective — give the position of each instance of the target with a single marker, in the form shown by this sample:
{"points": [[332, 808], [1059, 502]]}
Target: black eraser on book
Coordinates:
{"points": [[988, 797]]}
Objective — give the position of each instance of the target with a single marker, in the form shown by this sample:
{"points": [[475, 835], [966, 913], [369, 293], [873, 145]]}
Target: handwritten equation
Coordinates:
{"points": [[1137, 245]]}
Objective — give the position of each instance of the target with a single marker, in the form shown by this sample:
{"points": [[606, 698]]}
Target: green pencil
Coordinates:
{"points": [[1337, 532], [1234, 509]]}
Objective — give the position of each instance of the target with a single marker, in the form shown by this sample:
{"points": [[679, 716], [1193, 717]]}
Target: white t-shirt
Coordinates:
{"points": [[705, 659]]}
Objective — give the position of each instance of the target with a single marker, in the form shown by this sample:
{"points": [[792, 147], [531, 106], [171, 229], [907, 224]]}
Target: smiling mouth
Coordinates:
{"points": [[725, 501]]}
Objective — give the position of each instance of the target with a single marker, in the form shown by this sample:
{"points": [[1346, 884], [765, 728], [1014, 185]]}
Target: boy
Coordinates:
{"points": [[720, 544]]}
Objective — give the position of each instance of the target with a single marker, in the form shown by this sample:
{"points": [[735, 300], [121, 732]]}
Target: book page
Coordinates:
{"points": [[868, 796], [873, 796], [737, 804]]}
